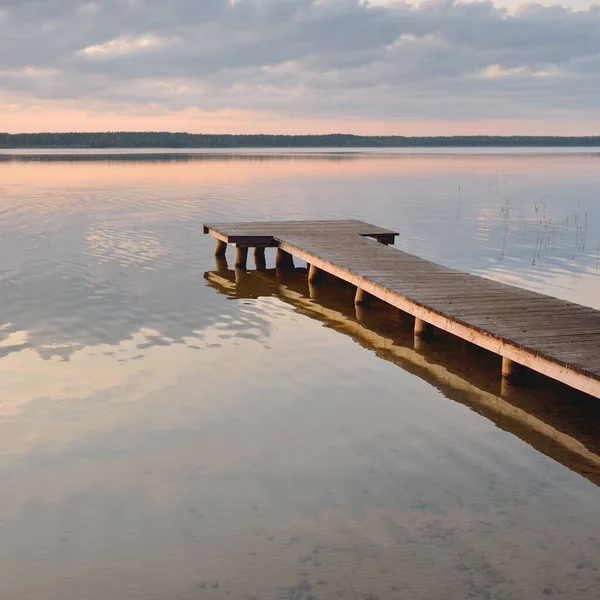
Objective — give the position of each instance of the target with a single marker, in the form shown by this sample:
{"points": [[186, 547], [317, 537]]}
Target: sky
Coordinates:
{"points": [[437, 67]]}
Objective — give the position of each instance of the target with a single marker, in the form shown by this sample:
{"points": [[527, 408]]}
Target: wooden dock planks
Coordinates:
{"points": [[556, 338]]}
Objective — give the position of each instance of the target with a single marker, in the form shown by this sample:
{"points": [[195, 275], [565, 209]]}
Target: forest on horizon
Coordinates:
{"points": [[157, 139]]}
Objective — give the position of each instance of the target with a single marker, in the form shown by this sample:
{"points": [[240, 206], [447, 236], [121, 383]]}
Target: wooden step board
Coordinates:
{"points": [[556, 338]]}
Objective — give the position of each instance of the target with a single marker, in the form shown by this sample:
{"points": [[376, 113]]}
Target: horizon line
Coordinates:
{"points": [[297, 135]]}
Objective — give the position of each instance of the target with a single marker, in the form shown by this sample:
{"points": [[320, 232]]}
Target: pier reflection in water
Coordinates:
{"points": [[554, 419]]}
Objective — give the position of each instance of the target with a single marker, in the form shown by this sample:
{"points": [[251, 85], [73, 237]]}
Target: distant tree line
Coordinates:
{"points": [[161, 139]]}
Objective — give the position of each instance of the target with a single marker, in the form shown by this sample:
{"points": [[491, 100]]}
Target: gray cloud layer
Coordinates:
{"points": [[323, 58]]}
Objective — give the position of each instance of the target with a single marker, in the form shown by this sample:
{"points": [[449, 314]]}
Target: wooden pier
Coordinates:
{"points": [[528, 330]]}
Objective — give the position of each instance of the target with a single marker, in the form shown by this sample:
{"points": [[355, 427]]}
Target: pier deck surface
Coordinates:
{"points": [[557, 338]]}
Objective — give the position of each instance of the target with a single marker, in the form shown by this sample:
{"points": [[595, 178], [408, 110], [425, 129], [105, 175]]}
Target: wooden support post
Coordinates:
{"points": [[513, 372], [315, 275], [363, 298], [284, 260], [241, 257], [220, 248], [241, 275], [423, 330], [420, 345], [259, 259], [221, 264], [361, 313]]}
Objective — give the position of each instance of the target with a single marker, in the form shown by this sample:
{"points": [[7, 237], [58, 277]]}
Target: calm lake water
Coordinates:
{"points": [[170, 435]]}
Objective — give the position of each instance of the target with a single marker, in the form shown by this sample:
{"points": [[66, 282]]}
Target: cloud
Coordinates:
{"points": [[122, 45], [303, 58]]}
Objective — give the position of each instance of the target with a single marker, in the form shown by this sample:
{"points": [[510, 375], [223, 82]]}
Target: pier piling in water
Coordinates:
{"points": [[513, 372], [362, 298], [284, 261], [260, 260], [315, 275], [241, 257], [423, 329], [220, 248]]}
